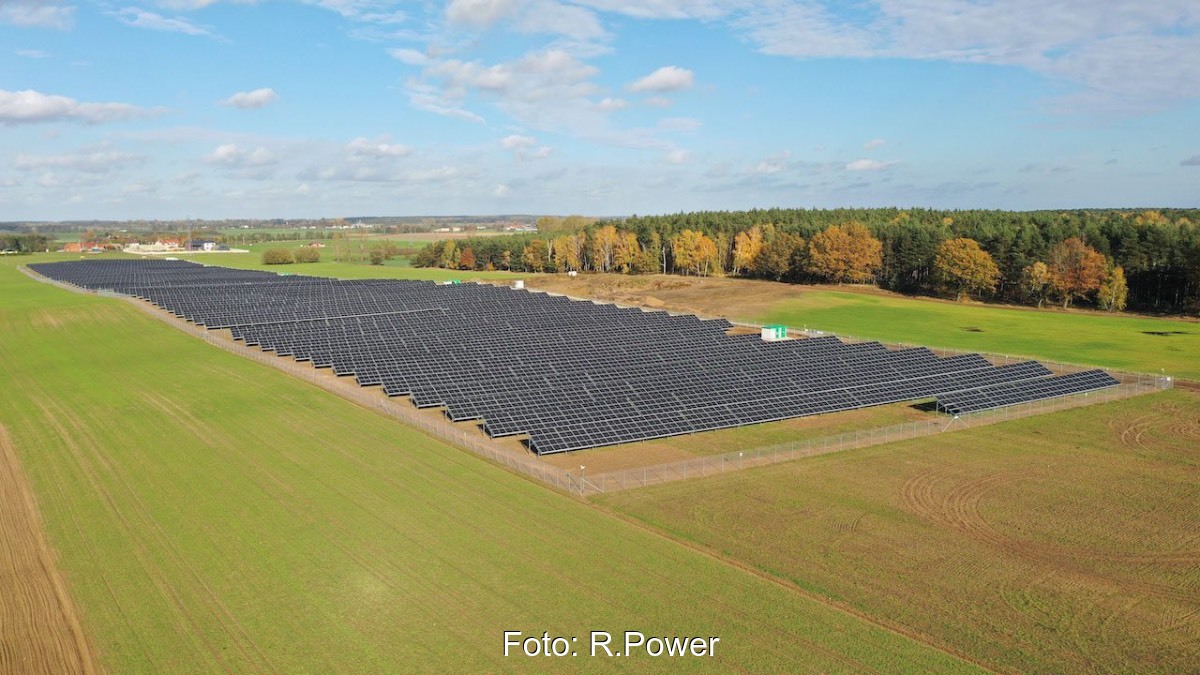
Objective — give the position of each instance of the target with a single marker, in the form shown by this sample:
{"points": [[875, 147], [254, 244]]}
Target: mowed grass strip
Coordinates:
{"points": [[1124, 341], [211, 513], [1060, 543]]}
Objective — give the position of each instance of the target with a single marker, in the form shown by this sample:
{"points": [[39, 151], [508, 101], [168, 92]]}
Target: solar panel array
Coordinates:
{"points": [[570, 374], [1006, 394]]}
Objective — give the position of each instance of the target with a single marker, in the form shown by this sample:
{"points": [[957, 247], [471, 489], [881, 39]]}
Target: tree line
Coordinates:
{"points": [[25, 242], [1149, 260]]}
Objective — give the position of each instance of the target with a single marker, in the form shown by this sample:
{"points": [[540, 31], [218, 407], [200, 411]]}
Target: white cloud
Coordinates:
{"points": [[140, 18], [29, 107], [426, 97], [528, 16], [682, 125], [669, 9], [547, 16], [611, 104], [481, 13], [659, 102], [665, 79], [37, 14], [96, 162], [32, 53], [516, 142], [501, 190], [232, 155], [523, 147], [381, 148], [364, 11], [433, 175], [874, 143], [545, 89], [1122, 55], [870, 165], [410, 57], [186, 5], [249, 100], [677, 156]]}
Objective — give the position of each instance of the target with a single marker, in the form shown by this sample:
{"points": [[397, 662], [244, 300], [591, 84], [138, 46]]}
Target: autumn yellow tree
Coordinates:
{"points": [[780, 256], [844, 253], [603, 245], [450, 257], [568, 251], [536, 256], [695, 253], [1076, 269], [746, 247], [1035, 281], [961, 266], [1114, 291], [626, 251]]}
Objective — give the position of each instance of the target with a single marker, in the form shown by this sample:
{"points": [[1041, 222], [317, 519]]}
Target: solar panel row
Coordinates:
{"points": [[570, 374], [1006, 394]]}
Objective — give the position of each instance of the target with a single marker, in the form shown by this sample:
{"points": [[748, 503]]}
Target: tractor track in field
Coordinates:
{"points": [[958, 509], [42, 631]]}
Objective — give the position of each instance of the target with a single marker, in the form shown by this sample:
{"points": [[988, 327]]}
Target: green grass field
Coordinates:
{"points": [[1062, 543], [211, 513], [1123, 342]]}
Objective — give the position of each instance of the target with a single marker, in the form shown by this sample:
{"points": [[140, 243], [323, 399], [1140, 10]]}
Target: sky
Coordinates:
{"points": [[168, 109]]}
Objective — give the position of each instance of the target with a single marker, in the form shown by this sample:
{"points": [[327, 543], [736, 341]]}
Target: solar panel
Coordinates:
{"points": [[569, 374], [1006, 394]]}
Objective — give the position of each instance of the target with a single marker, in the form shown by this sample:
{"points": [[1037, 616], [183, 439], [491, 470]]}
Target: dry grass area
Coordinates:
{"points": [[40, 628], [737, 299], [1060, 543]]}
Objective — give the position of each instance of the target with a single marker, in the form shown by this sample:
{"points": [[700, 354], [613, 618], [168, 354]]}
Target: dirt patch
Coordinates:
{"points": [[42, 631], [705, 296]]}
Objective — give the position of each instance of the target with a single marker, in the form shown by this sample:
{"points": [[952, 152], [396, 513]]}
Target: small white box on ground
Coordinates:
{"points": [[774, 333]]}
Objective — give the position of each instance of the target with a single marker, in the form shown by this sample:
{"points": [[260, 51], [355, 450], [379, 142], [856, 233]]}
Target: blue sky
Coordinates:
{"points": [[209, 109]]}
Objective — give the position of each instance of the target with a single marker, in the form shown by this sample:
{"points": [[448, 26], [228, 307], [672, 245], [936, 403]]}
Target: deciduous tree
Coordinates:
{"points": [[1035, 282], [625, 251], [695, 253], [777, 258], [746, 247], [1076, 269], [466, 258], [536, 256], [845, 253], [1114, 291], [961, 266], [603, 245]]}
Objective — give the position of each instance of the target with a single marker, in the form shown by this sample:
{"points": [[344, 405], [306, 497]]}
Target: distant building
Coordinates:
{"points": [[159, 246], [83, 247]]}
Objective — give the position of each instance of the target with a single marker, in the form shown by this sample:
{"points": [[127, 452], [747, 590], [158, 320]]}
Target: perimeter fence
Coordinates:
{"points": [[469, 437]]}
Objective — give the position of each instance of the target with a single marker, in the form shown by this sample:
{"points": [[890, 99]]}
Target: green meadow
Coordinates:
{"points": [[211, 513], [1143, 344]]}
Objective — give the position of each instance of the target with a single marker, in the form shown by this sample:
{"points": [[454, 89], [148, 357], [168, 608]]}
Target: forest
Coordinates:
{"points": [[1144, 260]]}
